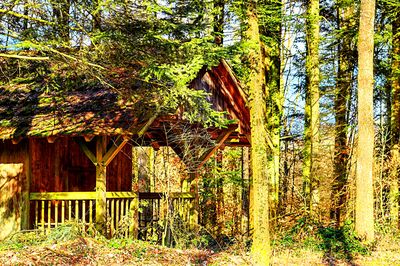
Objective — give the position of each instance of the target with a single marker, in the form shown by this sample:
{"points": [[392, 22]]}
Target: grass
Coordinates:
{"points": [[305, 243]]}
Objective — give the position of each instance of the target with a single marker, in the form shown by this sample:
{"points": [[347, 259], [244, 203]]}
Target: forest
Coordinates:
{"points": [[318, 182]]}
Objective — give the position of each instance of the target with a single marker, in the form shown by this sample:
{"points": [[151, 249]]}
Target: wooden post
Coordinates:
{"points": [[134, 211], [25, 210], [194, 210], [101, 185]]}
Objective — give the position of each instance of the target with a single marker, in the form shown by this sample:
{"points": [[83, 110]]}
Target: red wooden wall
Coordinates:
{"points": [[62, 166]]}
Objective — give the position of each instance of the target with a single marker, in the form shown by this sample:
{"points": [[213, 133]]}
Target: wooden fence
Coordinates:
{"points": [[127, 212]]}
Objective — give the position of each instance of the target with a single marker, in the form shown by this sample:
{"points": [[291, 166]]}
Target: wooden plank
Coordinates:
{"points": [[70, 210], [121, 194], [62, 195], [80, 195], [112, 215], [117, 214], [25, 189], [221, 139], [101, 185], [84, 213], [76, 210], [48, 214], [56, 214], [42, 213], [134, 210], [36, 214], [114, 150], [90, 212], [127, 201], [87, 151], [63, 212]]}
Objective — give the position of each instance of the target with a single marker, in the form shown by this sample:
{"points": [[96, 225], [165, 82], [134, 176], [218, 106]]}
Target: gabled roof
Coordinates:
{"points": [[36, 112], [226, 93]]}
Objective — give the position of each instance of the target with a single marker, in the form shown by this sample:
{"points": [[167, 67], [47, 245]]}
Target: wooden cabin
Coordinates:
{"points": [[68, 155]]}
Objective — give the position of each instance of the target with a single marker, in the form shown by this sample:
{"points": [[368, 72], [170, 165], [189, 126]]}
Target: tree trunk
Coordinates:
{"points": [[364, 224], [259, 137], [395, 126], [271, 32], [311, 126], [343, 85]]}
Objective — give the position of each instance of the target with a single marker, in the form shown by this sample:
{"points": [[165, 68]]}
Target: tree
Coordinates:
{"points": [[345, 17], [259, 140], [395, 124], [311, 125], [364, 220], [270, 31]]}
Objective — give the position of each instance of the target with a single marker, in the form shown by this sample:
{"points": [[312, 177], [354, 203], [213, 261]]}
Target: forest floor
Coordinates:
{"points": [[32, 249]]}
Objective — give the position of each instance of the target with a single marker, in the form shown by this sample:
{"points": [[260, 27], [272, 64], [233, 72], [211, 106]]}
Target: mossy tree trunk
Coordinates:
{"points": [[259, 137], [342, 96], [311, 125], [395, 125], [364, 223], [270, 29]]}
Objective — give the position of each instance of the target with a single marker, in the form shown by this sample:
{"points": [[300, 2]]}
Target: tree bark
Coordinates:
{"points": [[259, 137], [395, 126], [270, 29], [342, 96], [364, 223], [311, 125]]}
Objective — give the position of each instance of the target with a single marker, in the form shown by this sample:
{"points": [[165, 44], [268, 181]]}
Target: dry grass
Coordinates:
{"points": [[89, 251]]}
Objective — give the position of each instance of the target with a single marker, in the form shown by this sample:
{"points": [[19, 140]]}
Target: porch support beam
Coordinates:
{"points": [[101, 185], [87, 151], [25, 209], [218, 143], [114, 150]]}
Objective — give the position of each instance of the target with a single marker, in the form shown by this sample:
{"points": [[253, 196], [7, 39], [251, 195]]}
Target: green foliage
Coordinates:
{"points": [[341, 243], [336, 243], [161, 46]]}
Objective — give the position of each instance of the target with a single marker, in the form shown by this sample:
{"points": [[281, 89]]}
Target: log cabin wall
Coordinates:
{"points": [[62, 166], [119, 171], [14, 176]]}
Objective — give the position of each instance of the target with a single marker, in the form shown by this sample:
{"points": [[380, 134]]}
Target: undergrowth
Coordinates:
{"points": [[335, 243]]}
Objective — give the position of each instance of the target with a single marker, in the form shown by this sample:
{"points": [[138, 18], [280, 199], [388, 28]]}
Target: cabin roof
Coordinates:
{"points": [[27, 112]]}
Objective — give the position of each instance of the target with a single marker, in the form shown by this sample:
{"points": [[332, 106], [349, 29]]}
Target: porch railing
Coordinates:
{"points": [[155, 206], [50, 209]]}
